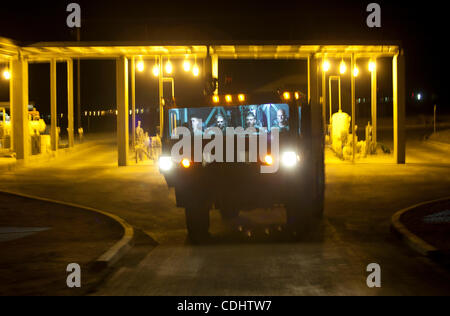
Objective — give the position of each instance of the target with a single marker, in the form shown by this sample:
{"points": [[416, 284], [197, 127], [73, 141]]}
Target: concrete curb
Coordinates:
{"points": [[412, 240], [114, 253]]}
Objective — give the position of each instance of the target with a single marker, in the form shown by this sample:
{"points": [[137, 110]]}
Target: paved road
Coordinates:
{"points": [[360, 200]]}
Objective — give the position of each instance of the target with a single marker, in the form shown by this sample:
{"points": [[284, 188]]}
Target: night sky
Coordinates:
{"points": [[420, 29]]}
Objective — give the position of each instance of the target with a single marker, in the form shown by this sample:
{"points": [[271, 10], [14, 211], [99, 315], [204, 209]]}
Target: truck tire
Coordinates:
{"points": [[299, 215], [318, 206], [197, 223]]}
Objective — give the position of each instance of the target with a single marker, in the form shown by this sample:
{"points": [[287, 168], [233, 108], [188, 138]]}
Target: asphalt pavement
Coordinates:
{"points": [[248, 257], [39, 239]]}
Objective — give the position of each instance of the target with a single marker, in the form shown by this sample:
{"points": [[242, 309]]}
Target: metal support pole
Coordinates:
{"points": [[398, 81], [215, 70], [122, 109], [78, 86], [70, 101], [317, 135], [330, 79], [324, 98], [10, 64], [133, 102], [53, 106], [434, 119], [353, 62], [329, 91], [340, 98], [373, 85], [309, 79], [161, 96], [172, 84], [316, 107], [19, 108]]}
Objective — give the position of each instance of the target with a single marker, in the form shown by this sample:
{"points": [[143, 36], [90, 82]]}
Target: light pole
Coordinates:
{"points": [[161, 96], [325, 68], [133, 102], [352, 76], [373, 80], [338, 79], [78, 87]]}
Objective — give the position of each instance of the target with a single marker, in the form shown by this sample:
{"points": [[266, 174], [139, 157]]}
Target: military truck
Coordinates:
{"points": [[234, 181]]}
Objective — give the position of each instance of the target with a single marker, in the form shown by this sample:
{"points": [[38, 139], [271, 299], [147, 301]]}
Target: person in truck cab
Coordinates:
{"points": [[282, 121], [221, 123], [196, 125]]}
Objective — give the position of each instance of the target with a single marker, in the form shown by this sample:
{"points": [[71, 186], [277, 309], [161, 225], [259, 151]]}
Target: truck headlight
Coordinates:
{"points": [[289, 159], [165, 163]]}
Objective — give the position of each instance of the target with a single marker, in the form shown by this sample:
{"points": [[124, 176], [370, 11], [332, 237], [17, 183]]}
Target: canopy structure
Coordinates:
{"points": [[44, 51], [18, 56]]}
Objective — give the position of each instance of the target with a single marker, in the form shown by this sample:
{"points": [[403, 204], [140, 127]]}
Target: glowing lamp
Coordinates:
{"points": [[195, 70], [342, 67], [140, 66], [155, 70], [326, 65], [169, 67], [6, 74], [186, 65]]}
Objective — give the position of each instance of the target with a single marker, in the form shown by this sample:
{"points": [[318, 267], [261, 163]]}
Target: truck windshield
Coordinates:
{"points": [[258, 116]]}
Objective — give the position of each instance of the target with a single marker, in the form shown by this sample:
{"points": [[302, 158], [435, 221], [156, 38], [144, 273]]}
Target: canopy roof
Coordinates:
{"points": [[43, 51]]}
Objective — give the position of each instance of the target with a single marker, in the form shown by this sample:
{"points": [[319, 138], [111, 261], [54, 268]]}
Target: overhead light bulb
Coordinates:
{"points": [[186, 65], [342, 67], [7, 74], [155, 70], [326, 65], [169, 67], [195, 70], [140, 66]]}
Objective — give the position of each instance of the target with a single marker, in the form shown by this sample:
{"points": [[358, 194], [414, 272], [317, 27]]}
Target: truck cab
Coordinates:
{"points": [[243, 152]]}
